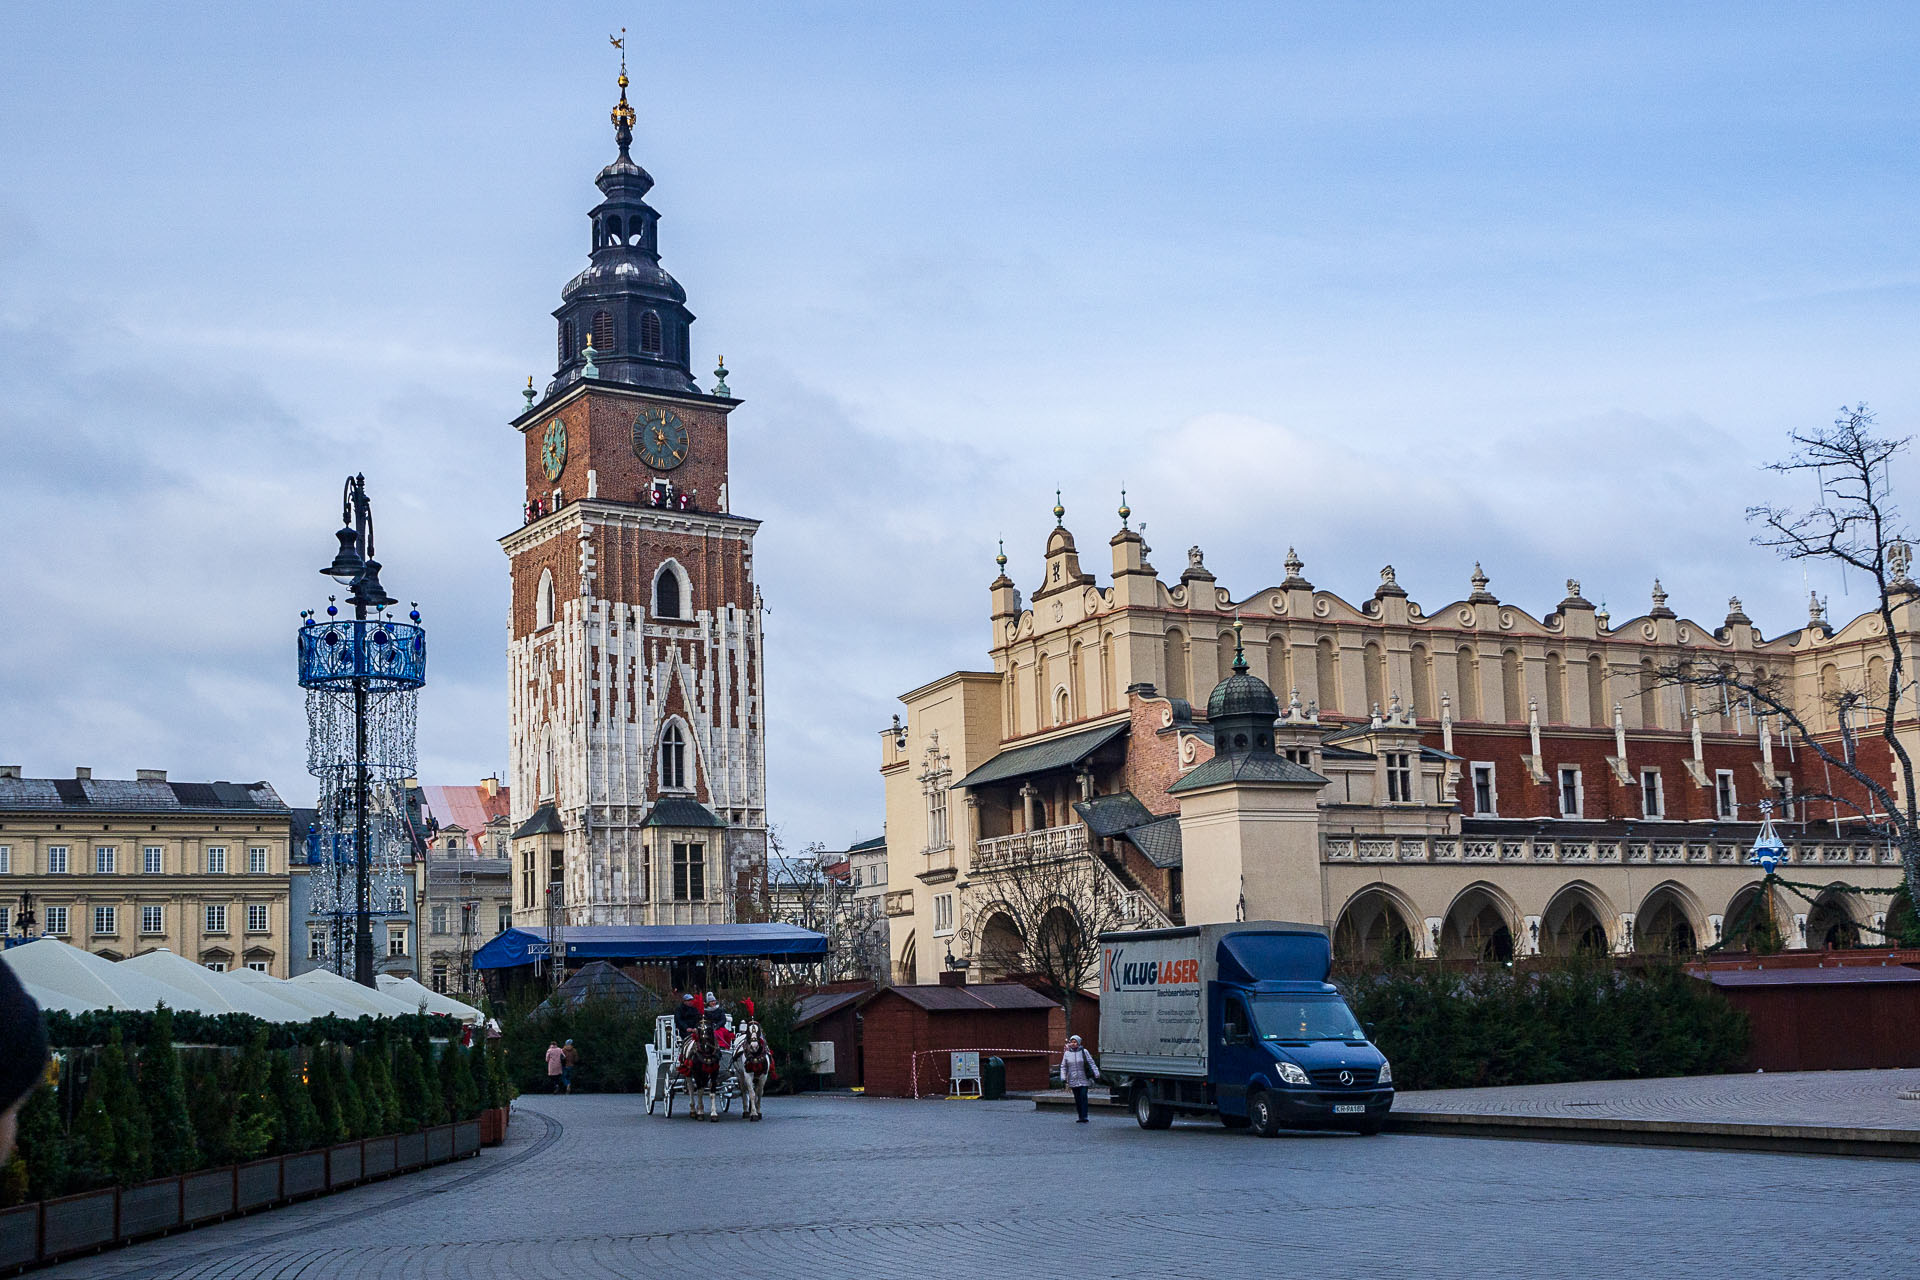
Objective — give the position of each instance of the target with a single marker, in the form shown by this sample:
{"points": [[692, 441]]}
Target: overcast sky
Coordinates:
{"points": [[1407, 284]]}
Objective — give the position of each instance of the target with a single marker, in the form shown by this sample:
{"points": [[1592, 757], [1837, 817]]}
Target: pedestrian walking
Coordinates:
{"points": [[569, 1059], [556, 1066], [23, 1054], [1078, 1071]]}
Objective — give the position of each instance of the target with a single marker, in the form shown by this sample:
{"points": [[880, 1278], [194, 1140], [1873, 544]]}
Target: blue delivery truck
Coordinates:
{"points": [[1239, 1021]]}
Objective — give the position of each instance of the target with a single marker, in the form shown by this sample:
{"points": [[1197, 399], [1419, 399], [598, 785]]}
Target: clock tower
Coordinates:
{"points": [[636, 705]]}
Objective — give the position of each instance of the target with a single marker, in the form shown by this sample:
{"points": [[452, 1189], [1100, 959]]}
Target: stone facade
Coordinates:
{"points": [[1606, 795], [121, 867]]}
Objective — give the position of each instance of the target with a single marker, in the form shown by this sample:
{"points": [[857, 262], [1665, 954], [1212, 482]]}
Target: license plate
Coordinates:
{"points": [[1349, 1109]]}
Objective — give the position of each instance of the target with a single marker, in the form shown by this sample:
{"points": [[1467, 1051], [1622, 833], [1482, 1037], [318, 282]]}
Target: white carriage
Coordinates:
{"points": [[664, 1081]]}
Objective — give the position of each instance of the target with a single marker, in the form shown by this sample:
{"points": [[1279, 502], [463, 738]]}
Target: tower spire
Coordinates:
{"points": [[622, 110]]}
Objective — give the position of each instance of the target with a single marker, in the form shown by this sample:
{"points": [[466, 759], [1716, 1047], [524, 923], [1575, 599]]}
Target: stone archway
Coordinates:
{"points": [[1480, 925], [1833, 921], [1749, 925], [1375, 927], [1667, 922], [1000, 947], [1575, 922]]}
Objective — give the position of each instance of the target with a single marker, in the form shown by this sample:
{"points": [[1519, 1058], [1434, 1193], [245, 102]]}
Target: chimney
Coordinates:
{"points": [[149, 775], [82, 774], [9, 770], [491, 786], [953, 977]]}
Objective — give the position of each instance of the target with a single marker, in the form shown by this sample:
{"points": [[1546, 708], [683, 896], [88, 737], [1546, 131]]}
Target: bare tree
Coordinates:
{"points": [[802, 891], [1857, 527], [1039, 913]]}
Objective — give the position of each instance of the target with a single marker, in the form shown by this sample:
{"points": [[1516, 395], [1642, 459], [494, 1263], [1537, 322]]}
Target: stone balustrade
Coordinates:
{"points": [[1568, 851]]}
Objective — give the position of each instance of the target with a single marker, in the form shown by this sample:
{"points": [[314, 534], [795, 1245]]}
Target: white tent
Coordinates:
{"points": [[309, 1001], [82, 981], [214, 989], [418, 995], [354, 998]]}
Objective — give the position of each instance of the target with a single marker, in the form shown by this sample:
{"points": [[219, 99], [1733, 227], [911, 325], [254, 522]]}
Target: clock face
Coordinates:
{"points": [[553, 449], [660, 438]]}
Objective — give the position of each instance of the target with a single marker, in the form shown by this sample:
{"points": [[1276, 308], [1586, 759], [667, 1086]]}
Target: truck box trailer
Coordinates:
{"points": [[1239, 1021]]}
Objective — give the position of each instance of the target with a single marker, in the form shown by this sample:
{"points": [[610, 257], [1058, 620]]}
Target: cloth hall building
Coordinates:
{"points": [[1470, 780], [636, 719]]}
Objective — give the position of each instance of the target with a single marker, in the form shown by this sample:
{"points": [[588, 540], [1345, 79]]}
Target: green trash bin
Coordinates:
{"points": [[993, 1079]]}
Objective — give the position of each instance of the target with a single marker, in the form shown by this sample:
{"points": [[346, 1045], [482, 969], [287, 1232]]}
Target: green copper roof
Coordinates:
{"points": [[1038, 757], [1256, 767]]}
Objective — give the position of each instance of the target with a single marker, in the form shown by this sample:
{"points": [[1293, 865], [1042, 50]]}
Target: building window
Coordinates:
{"points": [[1653, 797], [215, 966], [216, 860], [56, 859], [105, 859], [1400, 777], [150, 859], [650, 332], [667, 602], [1783, 789], [106, 921], [440, 976], [216, 917], [258, 966], [566, 341], [1302, 756], [673, 759], [439, 917], [6, 859], [6, 921], [1570, 791], [257, 860], [937, 813], [603, 333], [942, 913], [256, 917], [505, 920], [153, 920], [316, 944], [1486, 797], [396, 940], [543, 601], [526, 878], [56, 921], [689, 872], [1726, 803]]}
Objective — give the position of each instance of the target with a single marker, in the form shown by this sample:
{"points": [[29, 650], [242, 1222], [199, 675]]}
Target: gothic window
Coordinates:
{"points": [[543, 601], [650, 333], [566, 341], [603, 332], [673, 758], [667, 595]]}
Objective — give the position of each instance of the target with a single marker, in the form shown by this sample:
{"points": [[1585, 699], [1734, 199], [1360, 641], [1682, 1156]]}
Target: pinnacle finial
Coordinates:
{"points": [[1125, 510], [622, 111], [1001, 559], [1239, 650], [530, 393], [1059, 512], [720, 387]]}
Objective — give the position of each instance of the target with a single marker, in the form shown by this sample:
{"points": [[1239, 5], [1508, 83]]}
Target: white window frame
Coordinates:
{"points": [[316, 944], [55, 923], [396, 941], [1400, 777], [258, 966], [6, 859], [106, 859], [153, 920], [942, 915], [1726, 796], [1579, 790], [153, 859], [504, 917], [1493, 788], [213, 915], [258, 911], [215, 966], [57, 860], [106, 922], [437, 915], [259, 860], [1659, 809], [6, 920], [216, 859]]}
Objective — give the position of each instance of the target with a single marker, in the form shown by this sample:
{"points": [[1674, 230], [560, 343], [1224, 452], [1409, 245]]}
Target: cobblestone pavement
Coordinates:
{"points": [[1836, 1099], [590, 1187]]}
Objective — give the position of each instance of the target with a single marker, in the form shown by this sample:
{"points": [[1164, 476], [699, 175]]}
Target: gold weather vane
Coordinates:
{"points": [[622, 112]]}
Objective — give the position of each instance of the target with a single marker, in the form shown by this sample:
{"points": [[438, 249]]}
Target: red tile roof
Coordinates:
{"points": [[468, 807]]}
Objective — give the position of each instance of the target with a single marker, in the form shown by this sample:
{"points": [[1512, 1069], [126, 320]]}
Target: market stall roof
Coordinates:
{"points": [[349, 998], [625, 943], [416, 995], [81, 980], [218, 992], [309, 1000]]}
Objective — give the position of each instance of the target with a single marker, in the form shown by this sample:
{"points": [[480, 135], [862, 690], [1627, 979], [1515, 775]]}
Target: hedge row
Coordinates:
{"points": [[1578, 1020], [236, 1030], [117, 1116]]}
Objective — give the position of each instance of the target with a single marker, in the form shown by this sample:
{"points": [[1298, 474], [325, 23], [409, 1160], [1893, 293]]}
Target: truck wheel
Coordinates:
{"points": [[1234, 1122], [1262, 1114], [1148, 1113]]}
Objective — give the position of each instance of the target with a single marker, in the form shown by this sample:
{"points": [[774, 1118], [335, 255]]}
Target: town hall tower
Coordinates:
{"points": [[636, 707]]}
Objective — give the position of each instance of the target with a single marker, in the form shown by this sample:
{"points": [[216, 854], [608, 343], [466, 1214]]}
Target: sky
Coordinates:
{"points": [[1543, 287]]}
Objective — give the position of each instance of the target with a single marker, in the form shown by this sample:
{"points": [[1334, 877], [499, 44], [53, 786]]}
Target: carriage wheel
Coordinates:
{"points": [[652, 1099], [669, 1100], [726, 1100]]}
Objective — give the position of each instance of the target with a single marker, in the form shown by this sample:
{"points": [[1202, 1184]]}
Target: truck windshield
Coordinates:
{"points": [[1294, 1018]]}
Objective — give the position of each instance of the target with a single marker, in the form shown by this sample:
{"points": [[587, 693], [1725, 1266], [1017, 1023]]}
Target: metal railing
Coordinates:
{"points": [[999, 853]]}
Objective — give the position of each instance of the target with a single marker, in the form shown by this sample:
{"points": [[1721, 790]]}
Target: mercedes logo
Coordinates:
{"points": [[1346, 1077]]}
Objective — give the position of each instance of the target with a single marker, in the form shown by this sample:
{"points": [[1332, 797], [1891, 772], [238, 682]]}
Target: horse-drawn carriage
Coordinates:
{"points": [[665, 1078], [708, 1077]]}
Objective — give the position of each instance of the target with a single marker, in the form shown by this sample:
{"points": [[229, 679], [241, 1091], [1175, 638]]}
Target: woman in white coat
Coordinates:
{"points": [[1078, 1071]]}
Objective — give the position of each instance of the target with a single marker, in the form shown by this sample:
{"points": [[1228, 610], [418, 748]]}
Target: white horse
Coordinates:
{"points": [[752, 1063], [700, 1064]]}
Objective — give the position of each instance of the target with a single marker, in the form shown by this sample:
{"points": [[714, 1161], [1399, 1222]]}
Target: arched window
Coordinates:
{"points": [[1422, 684], [1060, 707], [673, 759], [650, 333], [543, 601], [1649, 696], [1514, 708], [1556, 690], [1176, 662], [566, 341], [1466, 675], [667, 601], [1326, 677], [603, 332], [1374, 661], [613, 229], [1598, 712]]}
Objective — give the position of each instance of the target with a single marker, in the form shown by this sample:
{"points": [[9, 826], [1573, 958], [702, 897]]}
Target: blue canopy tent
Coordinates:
{"points": [[657, 943]]}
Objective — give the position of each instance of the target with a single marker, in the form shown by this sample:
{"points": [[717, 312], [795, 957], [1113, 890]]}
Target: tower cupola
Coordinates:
{"points": [[635, 313], [1242, 709]]}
